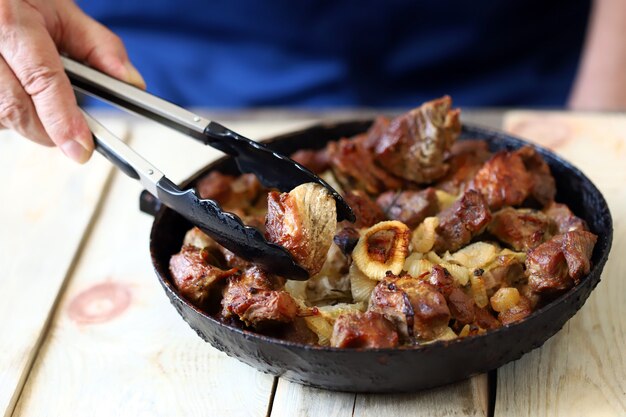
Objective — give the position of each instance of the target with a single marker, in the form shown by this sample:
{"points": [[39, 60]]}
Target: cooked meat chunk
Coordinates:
{"points": [[363, 330], [465, 159], [230, 192], [459, 223], [561, 262], [510, 177], [346, 239], [563, 218], [194, 276], [415, 306], [503, 180], [366, 211], [303, 221], [460, 304], [256, 299], [521, 229], [441, 279], [521, 310], [543, 188], [376, 132], [197, 238], [354, 168], [485, 320], [409, 207], [414, 144], [315, 160]]}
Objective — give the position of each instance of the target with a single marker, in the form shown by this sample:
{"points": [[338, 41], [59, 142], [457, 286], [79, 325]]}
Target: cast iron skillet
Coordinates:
{"points": [[402, 369]]}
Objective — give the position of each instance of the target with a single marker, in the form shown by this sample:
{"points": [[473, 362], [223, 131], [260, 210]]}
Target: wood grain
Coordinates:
{"points": [[292, 399], [116, 346], [465, 398], [47, 204], [582, 370]]}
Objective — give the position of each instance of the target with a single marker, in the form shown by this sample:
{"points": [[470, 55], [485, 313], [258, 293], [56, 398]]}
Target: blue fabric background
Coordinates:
{"points": [[397, 53]]}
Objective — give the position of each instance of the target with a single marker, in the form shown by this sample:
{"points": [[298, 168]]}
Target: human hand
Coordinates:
{"points": [[36, 98]]}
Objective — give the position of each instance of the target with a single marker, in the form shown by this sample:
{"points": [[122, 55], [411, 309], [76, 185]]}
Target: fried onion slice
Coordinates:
{"points": [[381, 248]]}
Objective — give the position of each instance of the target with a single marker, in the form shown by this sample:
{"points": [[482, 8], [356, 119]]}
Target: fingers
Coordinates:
{"points": [[17, 111], [87, 40], [30, 53]]}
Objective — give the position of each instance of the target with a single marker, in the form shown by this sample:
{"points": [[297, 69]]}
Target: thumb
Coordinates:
{"points": [[86, 40]]}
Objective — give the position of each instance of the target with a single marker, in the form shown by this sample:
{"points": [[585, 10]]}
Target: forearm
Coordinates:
{"points": [[601, 80]]}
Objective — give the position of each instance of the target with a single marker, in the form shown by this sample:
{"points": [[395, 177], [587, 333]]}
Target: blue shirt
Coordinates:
{"points": [[397, 53]]}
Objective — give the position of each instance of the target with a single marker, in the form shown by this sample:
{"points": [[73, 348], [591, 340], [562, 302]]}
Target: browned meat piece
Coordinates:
{"points": [[460, 304], [441, 279], [561, 262], [416, 307], [363, 330], [315, 160], [521, 310], [465, 159], [578, 248], [353, 166], [376, 132], [256, 299], [346, 239], [521, 229], [194, 276], [543, 187], [462, 221], [231, 192], [414, 145], [510, 177], [409, 207], [485, 320], [365, 209], [563, 218], [303, 221], [503, 180]]}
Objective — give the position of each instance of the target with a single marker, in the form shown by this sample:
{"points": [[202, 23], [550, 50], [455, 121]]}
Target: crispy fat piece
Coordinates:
{"points": [[303, 221], [414, 145]]}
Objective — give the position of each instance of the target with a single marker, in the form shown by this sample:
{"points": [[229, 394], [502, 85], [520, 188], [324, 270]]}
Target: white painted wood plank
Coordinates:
{"points": [[582, 370], [292, 399], [47, 203], [116, 345], [465, 398]]}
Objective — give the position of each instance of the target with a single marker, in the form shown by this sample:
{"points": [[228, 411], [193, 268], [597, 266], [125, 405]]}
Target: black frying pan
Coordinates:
{"points": [[402, 369]]}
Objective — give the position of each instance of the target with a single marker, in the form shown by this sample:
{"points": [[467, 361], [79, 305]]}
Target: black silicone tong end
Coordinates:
{"points": [[271, 168], [228, 230]]}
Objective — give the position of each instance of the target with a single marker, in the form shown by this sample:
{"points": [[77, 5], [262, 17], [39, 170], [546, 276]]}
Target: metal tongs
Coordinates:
{"points": [[271, 168]]}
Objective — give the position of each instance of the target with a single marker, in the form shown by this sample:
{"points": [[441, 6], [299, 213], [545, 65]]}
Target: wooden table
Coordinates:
{"points": [[87, 331]]}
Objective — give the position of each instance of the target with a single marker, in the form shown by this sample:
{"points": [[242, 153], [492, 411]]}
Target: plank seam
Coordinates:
{"points": [[270, 405]]}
